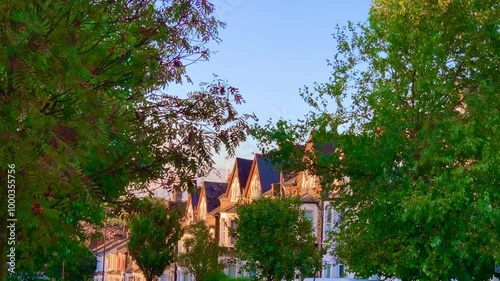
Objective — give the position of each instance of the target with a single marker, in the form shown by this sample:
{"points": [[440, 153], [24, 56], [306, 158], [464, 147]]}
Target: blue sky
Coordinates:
{"points": [[272, 48]]}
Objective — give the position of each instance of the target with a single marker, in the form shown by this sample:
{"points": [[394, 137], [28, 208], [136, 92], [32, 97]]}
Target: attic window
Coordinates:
{"points": [[235, 190], [203, 209], [255, 187]]}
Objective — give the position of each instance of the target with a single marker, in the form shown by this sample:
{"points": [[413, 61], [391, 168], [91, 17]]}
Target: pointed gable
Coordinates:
{"points": [[307, 181], [195, 196], [212, 192], [320, 147], [244, 166], [267, 173], [238, 179], [192, 203], [262, 176], [209, 197]]}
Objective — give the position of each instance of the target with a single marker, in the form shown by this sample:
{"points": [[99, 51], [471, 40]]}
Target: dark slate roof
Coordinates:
{"points": [[244, 166], [267, 173], [195, 196], [213, 190], [177, 205], [324, 148]]}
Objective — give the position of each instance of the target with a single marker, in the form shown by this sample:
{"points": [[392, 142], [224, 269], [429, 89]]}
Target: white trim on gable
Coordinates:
{"points": [[190, 212]]}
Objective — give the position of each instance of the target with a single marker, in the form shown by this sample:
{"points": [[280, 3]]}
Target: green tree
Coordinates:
{"points": [[79, 262], [285, 241], [84, 116], [415, 126], [202, 252], [155, 231]]}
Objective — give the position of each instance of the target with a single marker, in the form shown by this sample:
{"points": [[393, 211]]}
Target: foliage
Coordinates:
{"points": [[155, 232], [79, 262], [84, 115], [202, 252], [415, 126], [224, 277], [217, 277], [285, 241]]}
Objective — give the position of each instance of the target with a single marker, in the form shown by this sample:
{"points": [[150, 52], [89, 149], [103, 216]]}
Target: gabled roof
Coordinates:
{"points": [[324, 148], [321, 148], [192, 201], [111, 245], [212, 192], [244, 166], [241, 167], [195, 196], [268, 174]]}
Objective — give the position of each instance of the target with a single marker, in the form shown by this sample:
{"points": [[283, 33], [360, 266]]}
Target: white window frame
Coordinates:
{"points": [[231, 239], [223, 232]]}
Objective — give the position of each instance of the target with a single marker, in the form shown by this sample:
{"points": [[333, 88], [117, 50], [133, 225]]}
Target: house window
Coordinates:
{"points": [[328, 271], [250, 274], [203, 208], [232, 271], [341, 270], [223, 232], [233, 226], [310, 215], [329, 219], [308, 181], [255, 187], [235, 190], [185, 276], [332, 219]]}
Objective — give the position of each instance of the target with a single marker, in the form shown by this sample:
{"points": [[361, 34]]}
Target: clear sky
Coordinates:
{"points": [[270, 49]]}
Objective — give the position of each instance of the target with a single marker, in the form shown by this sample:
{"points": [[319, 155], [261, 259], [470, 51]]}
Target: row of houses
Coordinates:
{"points": [[215, 204]]}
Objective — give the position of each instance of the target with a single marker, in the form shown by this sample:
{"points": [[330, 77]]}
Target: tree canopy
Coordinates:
{"points": [[275, 239], [86, 116], [155, 231], [202, 252], [412, 107]]}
